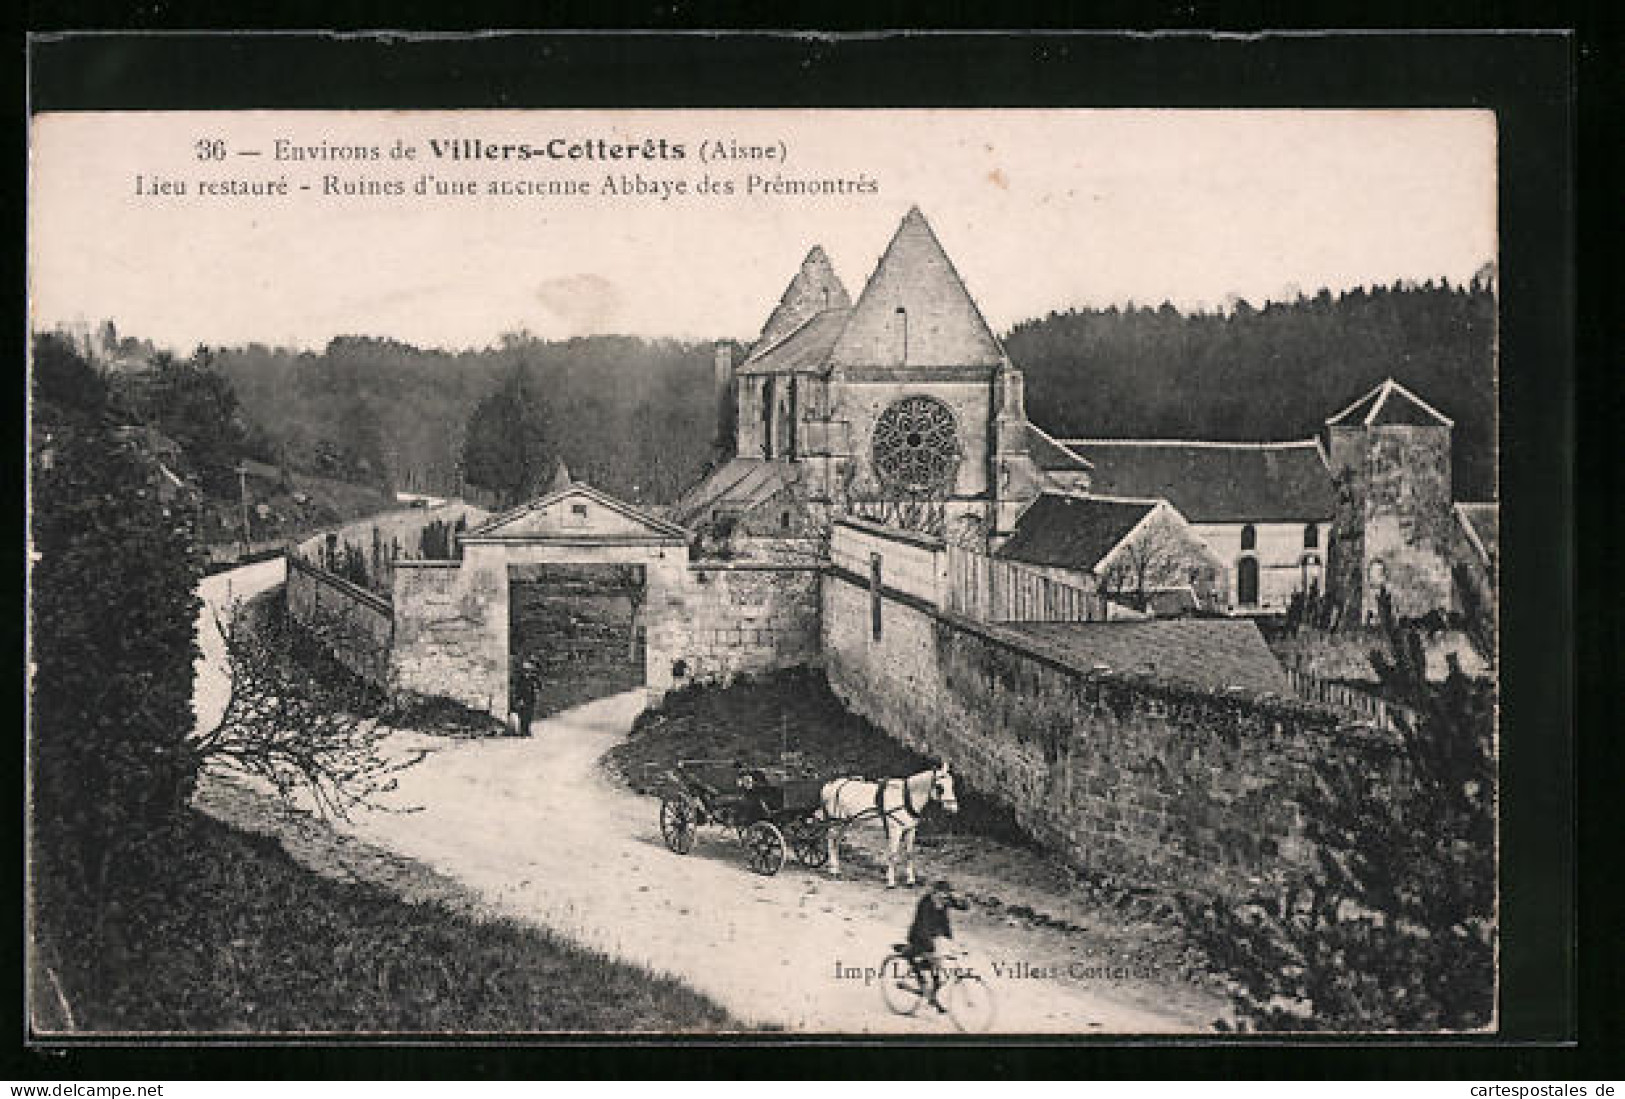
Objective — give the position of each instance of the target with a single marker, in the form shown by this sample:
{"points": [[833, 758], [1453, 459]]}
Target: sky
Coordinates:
{"points": [[1040, 210]]}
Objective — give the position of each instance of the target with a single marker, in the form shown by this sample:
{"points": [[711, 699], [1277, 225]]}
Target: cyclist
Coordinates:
{"points": [[930, 933]]}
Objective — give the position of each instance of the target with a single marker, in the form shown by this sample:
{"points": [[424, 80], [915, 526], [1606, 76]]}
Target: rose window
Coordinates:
{"points": [[916, 448]]}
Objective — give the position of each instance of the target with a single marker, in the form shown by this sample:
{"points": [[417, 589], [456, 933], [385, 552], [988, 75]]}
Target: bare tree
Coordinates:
{"points": [[300, 731], [1157, 560]]}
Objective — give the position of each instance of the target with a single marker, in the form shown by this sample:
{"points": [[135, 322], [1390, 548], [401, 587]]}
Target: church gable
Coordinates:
{"points": [[815, 289], [577, 512], [915, 310]]}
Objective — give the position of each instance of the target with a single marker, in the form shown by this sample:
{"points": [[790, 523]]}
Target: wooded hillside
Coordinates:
{"points": [[637, 417], [1272, 373], [633, 417]]}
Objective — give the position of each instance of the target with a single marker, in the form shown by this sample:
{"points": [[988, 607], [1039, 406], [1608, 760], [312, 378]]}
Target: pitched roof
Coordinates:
{"points": [[801, 350], [1074, 532], [1051, 454], [942, 326], [814, 289], [1216, 482], [1482, 525], [740, 483], [1388, 404], [511, 523], [1210, 652]]}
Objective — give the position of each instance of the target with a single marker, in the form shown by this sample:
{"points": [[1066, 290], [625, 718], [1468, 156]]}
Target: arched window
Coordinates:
{"points": [[1247, 581], [1311, 536], [1249, 538]]}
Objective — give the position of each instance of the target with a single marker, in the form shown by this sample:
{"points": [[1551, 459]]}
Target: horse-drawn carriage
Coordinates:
{"points": [[776, 817], [772, 818]]}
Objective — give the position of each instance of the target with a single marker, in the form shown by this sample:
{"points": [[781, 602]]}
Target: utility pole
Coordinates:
{"points": [[242, 489]]}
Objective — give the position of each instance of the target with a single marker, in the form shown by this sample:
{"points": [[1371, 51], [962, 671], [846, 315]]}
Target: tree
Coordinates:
{"points": [[294, 720], [1157, 558], [113, 610], [508, 447], [65, 381], [196, 406], [1396, 930]]}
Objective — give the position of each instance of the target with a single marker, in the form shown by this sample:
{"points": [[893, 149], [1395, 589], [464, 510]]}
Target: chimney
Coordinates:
{"points": [[726, 440], [725, 367]]}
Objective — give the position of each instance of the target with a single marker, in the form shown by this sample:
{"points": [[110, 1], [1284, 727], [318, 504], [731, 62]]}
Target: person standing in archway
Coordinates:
{"points": [[524, 690]]}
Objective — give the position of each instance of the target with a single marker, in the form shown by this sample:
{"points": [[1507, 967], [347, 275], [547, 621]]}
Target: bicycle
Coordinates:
{"points": [[954, 988]]}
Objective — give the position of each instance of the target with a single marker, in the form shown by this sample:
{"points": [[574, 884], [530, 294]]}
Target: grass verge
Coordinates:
{"points": [[237, 937]]}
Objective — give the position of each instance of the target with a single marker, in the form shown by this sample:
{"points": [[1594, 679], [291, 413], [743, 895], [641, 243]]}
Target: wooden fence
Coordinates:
{"points": [[1361, 704], [991, 589]]}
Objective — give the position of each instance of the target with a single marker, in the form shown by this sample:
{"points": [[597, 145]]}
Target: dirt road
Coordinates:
{"points": [[540, 832], [538, 829]]}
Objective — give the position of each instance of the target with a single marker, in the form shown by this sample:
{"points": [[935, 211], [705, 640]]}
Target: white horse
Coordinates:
{"points": [[896, 802]]}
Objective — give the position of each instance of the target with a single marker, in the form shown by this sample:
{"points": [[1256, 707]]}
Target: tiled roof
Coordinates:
{"points": [[814, 289], [803, 350], [1052, 455], [1216, 482], [741, 483], [1210, 652], [1073, 532], [1388, 404], [941, 326]]}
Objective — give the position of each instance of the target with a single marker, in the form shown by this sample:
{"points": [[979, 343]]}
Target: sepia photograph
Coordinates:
{"points": [[772, 572]]}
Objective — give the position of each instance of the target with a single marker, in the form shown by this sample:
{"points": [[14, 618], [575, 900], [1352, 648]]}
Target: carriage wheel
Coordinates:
{"points": [[677, 823], [764, 847], [902, 985], [809, 844]]}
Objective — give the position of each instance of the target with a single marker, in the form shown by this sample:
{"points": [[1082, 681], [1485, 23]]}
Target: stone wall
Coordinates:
{"points": [[446, 620], [914, 564], [356, 625], [1152, 782], [1395, 514]]}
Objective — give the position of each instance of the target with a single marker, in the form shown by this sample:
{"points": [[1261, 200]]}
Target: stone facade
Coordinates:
{"points": [[733, 618], [448, 623], [825, 370], [701, 621], [1396, 526], [1285, 561]]}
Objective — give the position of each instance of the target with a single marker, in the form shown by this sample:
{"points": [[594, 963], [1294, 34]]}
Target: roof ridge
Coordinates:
{"points": [[1053, 441], [1085, 494], [768, 349], [959, 280], [611, 502], [1356, 403], [1224, 443], [864, 310], [1394, 383]]}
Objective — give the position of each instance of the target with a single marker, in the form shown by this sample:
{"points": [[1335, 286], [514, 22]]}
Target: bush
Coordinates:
{"points": [[113, 611], [1396, 931]]}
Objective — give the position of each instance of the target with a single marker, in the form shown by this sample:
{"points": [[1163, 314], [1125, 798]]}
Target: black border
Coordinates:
{"points": [[1528, 79]]}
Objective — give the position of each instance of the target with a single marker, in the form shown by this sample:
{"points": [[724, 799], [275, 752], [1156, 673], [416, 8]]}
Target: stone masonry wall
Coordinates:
{"points": [[1409, 523], [445, 623], [732, 618], [1150, 782]]}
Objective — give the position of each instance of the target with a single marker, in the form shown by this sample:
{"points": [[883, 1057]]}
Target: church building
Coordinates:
{"points": [[901, 407]]}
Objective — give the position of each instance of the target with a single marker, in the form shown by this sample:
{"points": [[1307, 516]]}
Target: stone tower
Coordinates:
{"points": [[1390, 454]]}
